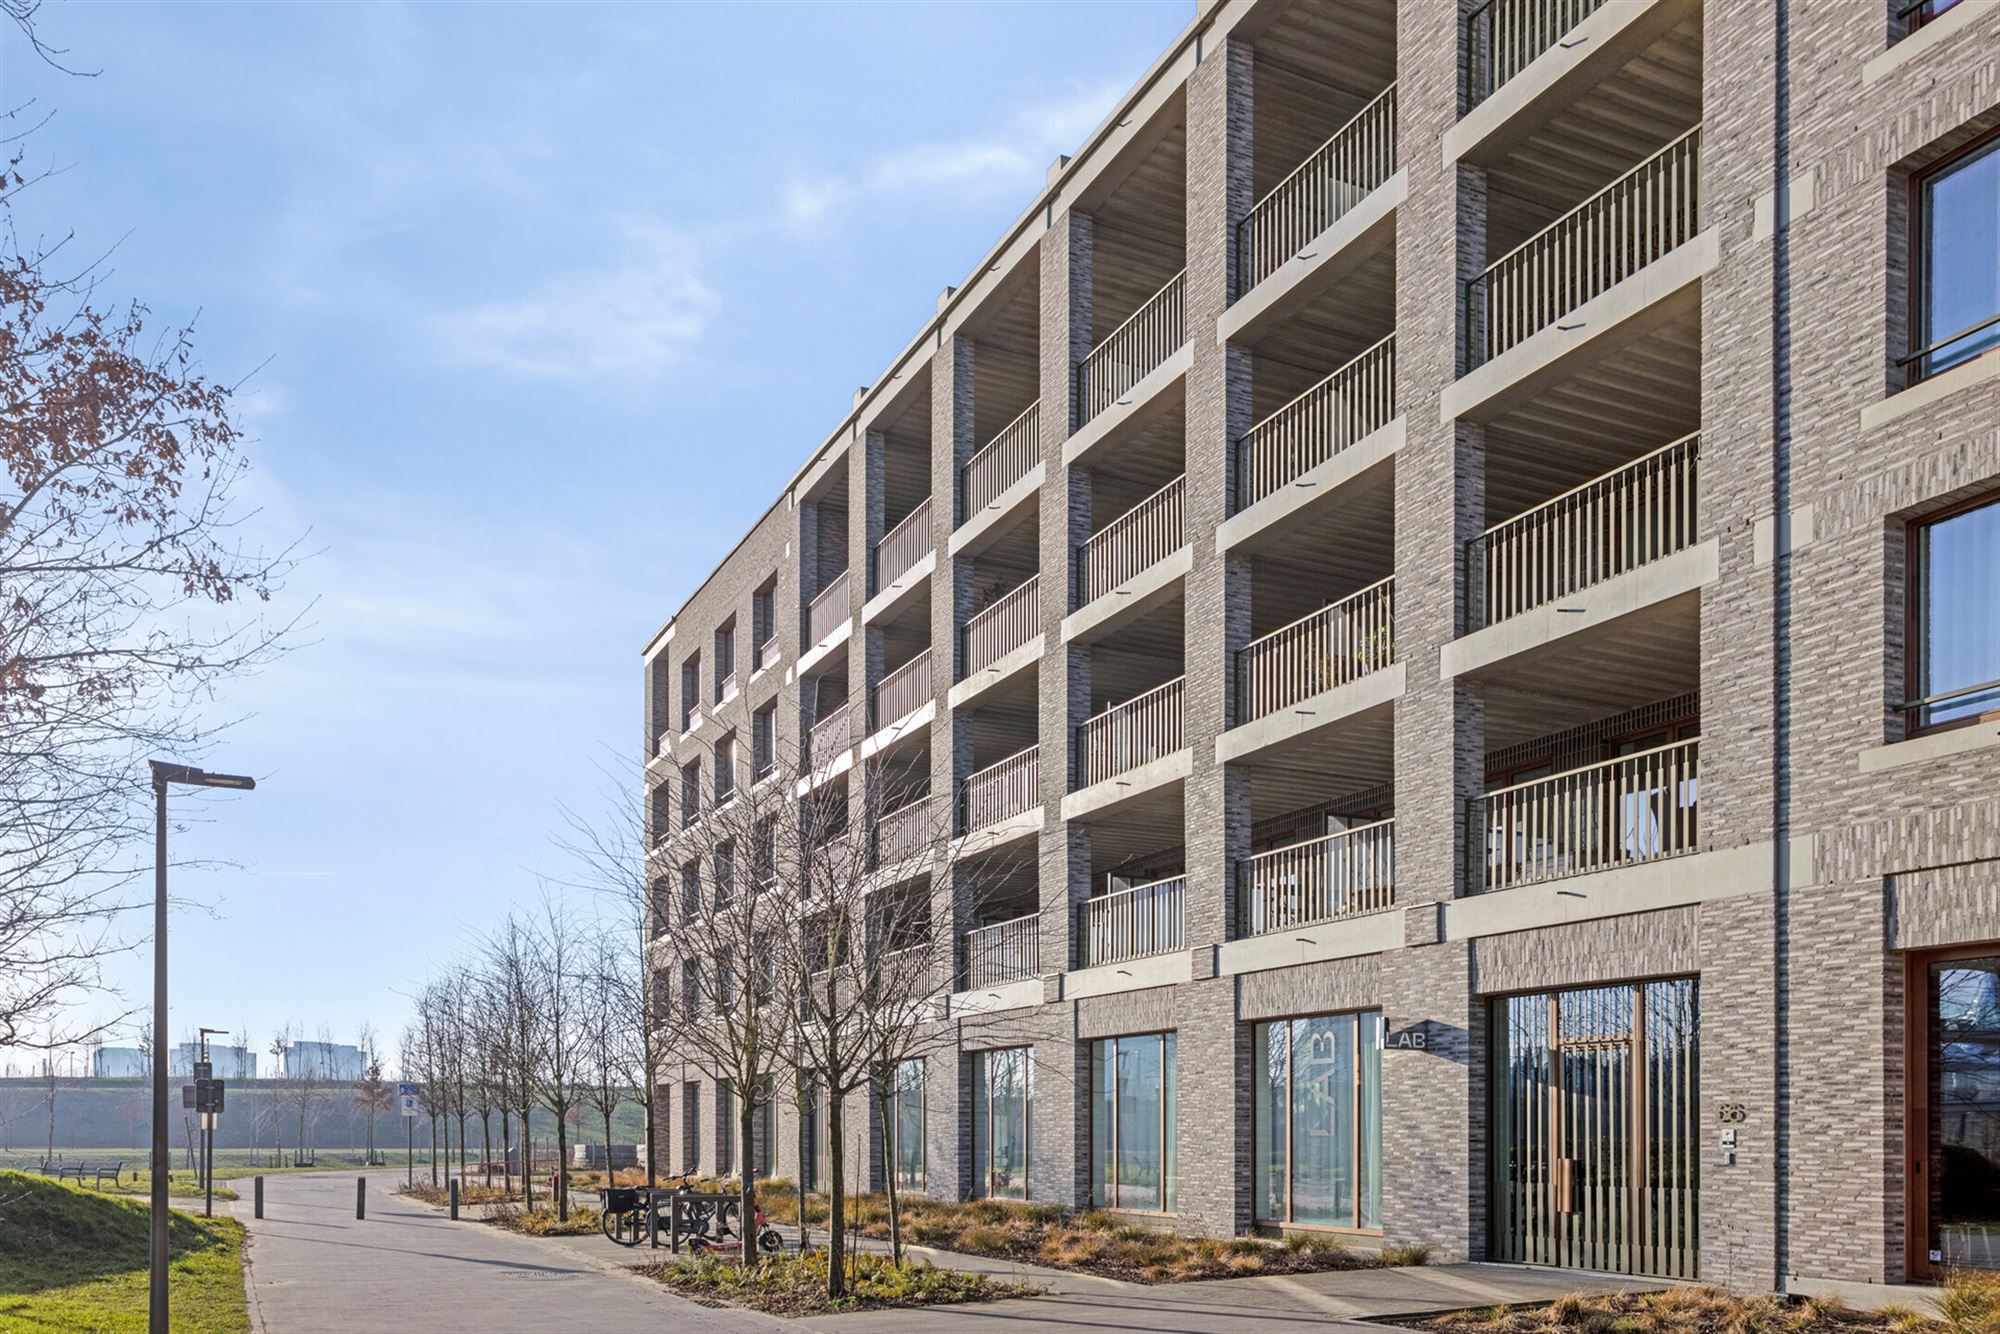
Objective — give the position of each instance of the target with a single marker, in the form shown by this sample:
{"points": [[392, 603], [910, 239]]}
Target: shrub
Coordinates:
{"points": [[543, 1223], [796, 1285], [1397, 1257], [983, 1239], [1971, 1302]]}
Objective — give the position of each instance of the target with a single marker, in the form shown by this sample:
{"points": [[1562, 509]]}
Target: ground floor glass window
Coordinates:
{"points": [[1132, 1123], [1003, 1087], [1960, 1072], [1318, 1092], [906, 1124]]}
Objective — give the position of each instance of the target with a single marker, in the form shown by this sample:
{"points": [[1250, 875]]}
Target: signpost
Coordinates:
{"points": [[406, 1103]]}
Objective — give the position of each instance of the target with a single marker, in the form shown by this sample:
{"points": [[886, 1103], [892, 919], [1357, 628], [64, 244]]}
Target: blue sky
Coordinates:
{"points": [[554, 299]]}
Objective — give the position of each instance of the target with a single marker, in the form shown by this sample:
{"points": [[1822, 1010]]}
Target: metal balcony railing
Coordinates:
{"points": [[1627, 518], [829, 610], [1635, 808], [1147, 533], [830, 737], [1339, 174], [1125, 736], [1346, 406], [1133, 923], [1003, 625], [1154, 332], [1503, 36], [1002, 790], [1343, 874], [1618, 231], [1330, 647], [904, 545], [1003, 952], [902, 692], [1001, 462], [903, 833]]}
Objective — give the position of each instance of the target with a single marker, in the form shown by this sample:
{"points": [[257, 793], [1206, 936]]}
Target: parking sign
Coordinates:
{"points": [[406, 1098]]}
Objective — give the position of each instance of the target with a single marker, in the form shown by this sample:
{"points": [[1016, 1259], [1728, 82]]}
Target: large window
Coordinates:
{"points": [[725, 1128], [906, 1125], [1957, 226], [1955, 1092], [1318, 1086], [1003, 1095], [1954, 646], [691, 1126], [1132, 1123]]}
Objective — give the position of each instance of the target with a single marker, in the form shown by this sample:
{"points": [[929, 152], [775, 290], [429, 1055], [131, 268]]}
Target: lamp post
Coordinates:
{"points": [[164, 774]]}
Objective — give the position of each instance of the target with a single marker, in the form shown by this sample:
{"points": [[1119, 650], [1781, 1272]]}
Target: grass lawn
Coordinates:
{"points": [[75, 1261], [230, 1164]]}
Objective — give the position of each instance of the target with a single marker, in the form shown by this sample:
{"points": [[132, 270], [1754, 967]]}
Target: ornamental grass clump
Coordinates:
{"points": [[795, 1285]]}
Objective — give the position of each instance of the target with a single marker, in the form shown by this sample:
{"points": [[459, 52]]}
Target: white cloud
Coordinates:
{"points": [[631, 318]]}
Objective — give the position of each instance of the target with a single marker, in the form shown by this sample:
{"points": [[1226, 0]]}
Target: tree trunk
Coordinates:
{"points": [[486, 1145], [461, 1148], [889, 1149], [527, 1162], [746, 1130], [562, 1168], [836, 1218], [506, 1152], [803, 1169], [610, 1171]]}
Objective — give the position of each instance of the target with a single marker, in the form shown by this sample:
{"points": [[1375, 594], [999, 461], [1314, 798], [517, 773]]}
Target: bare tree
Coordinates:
{"points": [[558, 952], [510, 973], [603, 1087], [281, 1047]]}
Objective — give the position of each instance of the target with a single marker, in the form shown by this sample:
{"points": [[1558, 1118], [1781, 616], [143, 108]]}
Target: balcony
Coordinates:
{"points": [[1003, 952], [1502, 37], [1652, 209], [1325, 879], [1318, 652], [1003, 790], [901, 692], [1144, 728], [830, 738], [1348, 405], [903, 833], [1627, 518], [1141, 537], [1342, 172], [1133, 923], [1001, 462], [1134, 350], [1005, 625], [1635, 808], [725, 689], [903, 546], [829, 610], [767, 654]]}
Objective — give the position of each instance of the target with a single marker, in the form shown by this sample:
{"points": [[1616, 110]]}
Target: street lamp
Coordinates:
{"points": [[187, 776]]}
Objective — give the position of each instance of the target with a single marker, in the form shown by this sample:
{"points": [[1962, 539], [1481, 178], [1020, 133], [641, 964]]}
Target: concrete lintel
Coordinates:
{"points": [[1106, 979], [1930, 747], [1010, 507], [910, 724], [1924, 393], [907, 585], [994, 673], [821, 651], [1553, 81], [1026, 993], [1594, 330], [1354, 237], [1000, 833], [1134, 408], [1101, 798], [1157, 583], [1619, 596], [1928, 38], [1373, 691], [1312, 486], [1372, 933], [1670, 882]]}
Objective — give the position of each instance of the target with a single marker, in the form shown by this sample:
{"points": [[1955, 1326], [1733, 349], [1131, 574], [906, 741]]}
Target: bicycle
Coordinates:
{"points": [[630, 1214]]}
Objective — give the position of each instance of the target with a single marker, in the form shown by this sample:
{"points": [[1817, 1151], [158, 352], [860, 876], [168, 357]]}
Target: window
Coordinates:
{"points": [[725, 875], [1916, 15], [1318, 1086], [1003, 1097], [1956, 313], [725, 1128], [691, 892], [906, 1125], [690, 793], [764, 739], [663, 907], [764, 1153], [902, 918], [725, 768], [1954, 625], [764, 622], [691, 1126], [1132, 1123], [690, 990], [764, 859], [691, 692], [1954, 1135], [725, 662]]}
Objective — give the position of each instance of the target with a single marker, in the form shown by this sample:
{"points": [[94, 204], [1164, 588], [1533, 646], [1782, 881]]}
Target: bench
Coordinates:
{"points": [[97, 1171]]}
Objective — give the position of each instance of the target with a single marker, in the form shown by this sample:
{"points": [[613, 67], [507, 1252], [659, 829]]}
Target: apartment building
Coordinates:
{"points": [[1457, 548]]}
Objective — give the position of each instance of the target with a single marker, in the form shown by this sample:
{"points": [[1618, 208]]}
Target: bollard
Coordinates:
{"points": [[361, 1197], [454, 1199], [260, 1197]]}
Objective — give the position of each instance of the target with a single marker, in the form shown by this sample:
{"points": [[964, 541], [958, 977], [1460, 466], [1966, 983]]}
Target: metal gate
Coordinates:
{"points": [[1594, 1129]]}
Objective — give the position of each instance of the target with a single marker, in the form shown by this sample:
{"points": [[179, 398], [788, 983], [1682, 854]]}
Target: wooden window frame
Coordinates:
{"points": [[1914, 599], [1915, 273], [1917, 1265]]}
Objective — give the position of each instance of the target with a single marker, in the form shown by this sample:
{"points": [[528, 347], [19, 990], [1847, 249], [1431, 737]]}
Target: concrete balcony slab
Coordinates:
{"points": [[1103, 798], [823, 650], [1668, 287], [1300, 722], [1108, 979], [1553, 81], [1587, 610], [906, 728], [1024, 993], [1366, 461], [1028, 824], [994, 673], [1158, 583], [902, 592], [826, 773], [1371, 933], [1162, 388], [1011, 507], [1354, 238]]}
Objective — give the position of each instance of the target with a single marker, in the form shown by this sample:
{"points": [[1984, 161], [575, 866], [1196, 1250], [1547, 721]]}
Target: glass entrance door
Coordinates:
{"points": [[1594, 1155], [1955, 1168]]}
